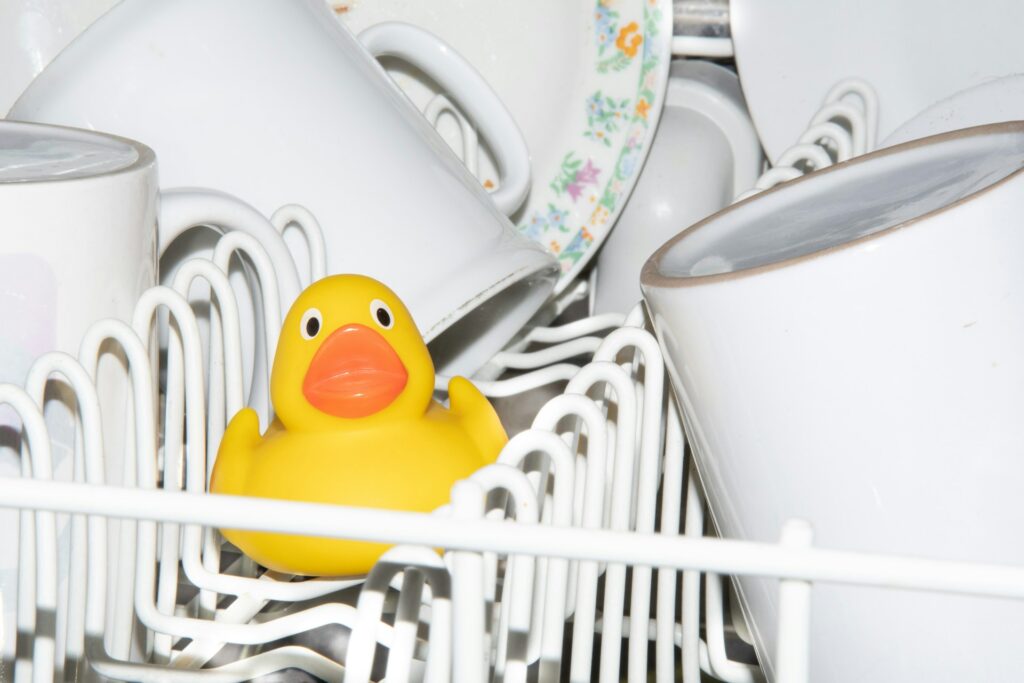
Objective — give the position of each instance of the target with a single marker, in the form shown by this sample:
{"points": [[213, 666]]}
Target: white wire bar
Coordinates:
{"points": [[844, 126], [744, 558]]}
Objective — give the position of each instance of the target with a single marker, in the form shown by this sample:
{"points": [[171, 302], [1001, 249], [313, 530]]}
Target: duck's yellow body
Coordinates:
{"points": [[356, 425]]}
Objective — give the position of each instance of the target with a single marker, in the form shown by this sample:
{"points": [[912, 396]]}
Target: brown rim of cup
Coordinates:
{"points": [[651, 274]]}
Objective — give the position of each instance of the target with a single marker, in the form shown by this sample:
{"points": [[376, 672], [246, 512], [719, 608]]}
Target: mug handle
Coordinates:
{"points": [[470, 91], [438, 105]]}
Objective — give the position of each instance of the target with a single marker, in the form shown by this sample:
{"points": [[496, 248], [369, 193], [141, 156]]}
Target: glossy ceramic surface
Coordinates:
{"points": [[992, 102], [847, 349], [79, 244], [587, 94], [33, 32], [287, 106], [704, 153], [914, 52]]}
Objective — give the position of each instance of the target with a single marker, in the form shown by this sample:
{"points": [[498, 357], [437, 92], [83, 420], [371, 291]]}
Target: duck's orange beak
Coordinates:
{"points": [[354, 373]]}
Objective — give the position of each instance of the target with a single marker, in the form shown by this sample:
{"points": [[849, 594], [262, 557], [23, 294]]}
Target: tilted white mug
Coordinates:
{"points": [[276, 102], [848, 348]]}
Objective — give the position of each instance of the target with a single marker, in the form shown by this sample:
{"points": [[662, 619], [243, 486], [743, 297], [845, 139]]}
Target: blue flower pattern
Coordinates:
{"points": [[605, 27], [542, 223]]}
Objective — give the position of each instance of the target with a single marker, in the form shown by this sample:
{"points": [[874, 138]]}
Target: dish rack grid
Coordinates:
{"points": [[588, 531]]}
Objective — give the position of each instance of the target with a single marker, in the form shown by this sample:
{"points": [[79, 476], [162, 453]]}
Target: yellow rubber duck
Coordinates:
{"points": [[352, 385]]}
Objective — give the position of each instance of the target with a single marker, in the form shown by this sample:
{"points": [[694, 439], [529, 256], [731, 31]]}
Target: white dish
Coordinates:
{"points": [[913, 52], [848, 348], [992, 102], [584, 79], [704, 153]]}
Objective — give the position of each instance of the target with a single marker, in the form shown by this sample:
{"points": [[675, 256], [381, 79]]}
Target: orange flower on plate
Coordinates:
{"points": [[642, 107], [629, 39]]}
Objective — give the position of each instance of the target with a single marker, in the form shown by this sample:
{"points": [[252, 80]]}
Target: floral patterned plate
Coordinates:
{"points": [[584, 79]]}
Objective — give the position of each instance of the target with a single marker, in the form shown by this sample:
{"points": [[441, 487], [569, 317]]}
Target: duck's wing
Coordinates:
{"points": [[477, 416], [234, 455]]}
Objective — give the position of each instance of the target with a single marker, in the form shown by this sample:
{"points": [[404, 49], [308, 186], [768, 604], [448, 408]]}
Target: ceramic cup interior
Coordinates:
{"points": [[847, 203]]}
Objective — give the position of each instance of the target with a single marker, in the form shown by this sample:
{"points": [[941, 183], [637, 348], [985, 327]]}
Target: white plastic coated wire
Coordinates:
{"points": [[303, 219], [477, 535], [162, 640], [187, 273], [814, 155], [183, 388], [191, 472], [551, 590], [638, 642], [530, 542], [830, 136], [857, 88], [137, 354], [85, 639], [845, 126], [37, 569]]}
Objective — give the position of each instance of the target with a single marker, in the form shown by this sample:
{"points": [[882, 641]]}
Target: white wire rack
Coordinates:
{"points": [[845, 126], [567, 548]]}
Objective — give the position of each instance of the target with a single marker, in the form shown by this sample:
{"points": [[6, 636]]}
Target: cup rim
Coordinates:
{"points": [[145, 156], [652, 275]]}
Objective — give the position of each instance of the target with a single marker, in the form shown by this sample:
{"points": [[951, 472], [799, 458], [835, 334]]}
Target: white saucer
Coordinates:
{"points": [[913, 52], [585, 81]]}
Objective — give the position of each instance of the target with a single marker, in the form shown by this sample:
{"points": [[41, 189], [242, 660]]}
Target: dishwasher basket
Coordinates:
{"points": [[587, 533]]}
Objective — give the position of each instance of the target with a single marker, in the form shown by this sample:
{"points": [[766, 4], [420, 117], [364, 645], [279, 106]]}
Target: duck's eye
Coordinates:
{"points": [[382, 314], [312, 321]]}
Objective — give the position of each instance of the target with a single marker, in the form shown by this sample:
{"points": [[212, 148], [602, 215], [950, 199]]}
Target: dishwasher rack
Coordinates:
{"points": [[570, 543]]}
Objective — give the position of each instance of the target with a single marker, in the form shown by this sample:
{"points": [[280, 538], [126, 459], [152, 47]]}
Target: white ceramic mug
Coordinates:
{"points": [[78, 242], [704, 153], [848, 348], [33, 32], [275, 102], [81, 226], [997, 100]]}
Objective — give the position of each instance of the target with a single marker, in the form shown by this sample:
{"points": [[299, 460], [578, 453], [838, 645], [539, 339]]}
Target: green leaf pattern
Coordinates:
{"points": [[617, 48]]}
